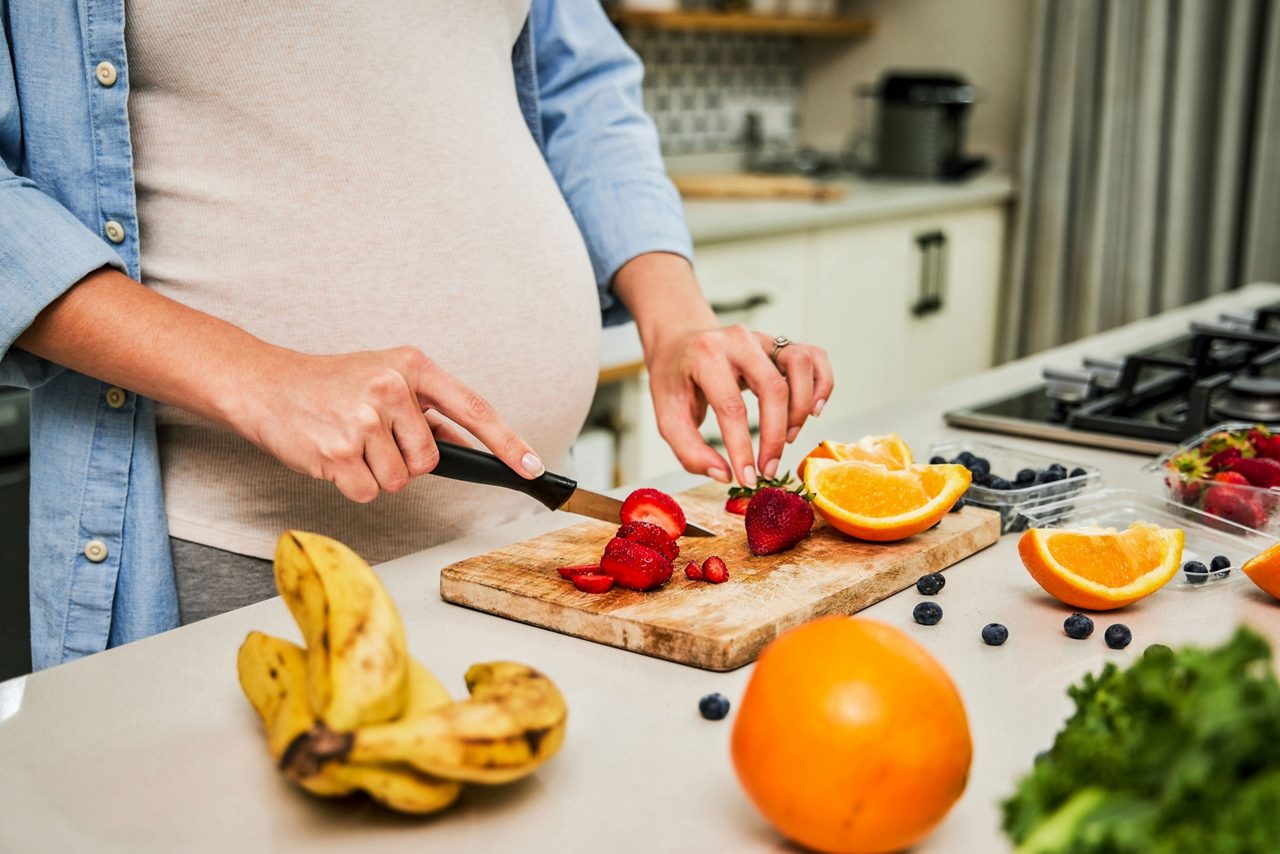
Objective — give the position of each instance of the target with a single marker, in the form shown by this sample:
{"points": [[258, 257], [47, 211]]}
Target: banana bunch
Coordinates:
{"points": [[354, 711]]}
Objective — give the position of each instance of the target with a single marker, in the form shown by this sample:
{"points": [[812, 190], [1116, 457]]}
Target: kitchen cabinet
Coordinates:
{"points": [[901, 304]]}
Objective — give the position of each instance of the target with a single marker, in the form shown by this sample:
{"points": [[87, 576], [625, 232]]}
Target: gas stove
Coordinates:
{"points": [[1150, 400]]}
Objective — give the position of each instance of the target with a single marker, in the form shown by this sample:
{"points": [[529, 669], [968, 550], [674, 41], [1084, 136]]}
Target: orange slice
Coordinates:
{"points": [[871, 502], [1101, 568], [1264, 570], [889, 451]]}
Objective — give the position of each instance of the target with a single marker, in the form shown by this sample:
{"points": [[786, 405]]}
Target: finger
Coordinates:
{"points": [[441, 391], [383, 458], [771, 389], [797, 365], [356, 482], [823, 379], [446, 431], [720, 386], [413, 437], [677, 426]]}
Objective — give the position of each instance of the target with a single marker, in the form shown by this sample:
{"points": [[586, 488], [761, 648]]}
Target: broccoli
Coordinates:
{"points": [[1178, 753]]}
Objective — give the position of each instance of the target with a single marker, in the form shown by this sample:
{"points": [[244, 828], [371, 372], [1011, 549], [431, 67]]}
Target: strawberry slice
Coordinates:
{"points": [[591, 582], [738, 505], [570, 572], [693, 572], [714, 570], [652, 505], [649, 534], [634, 566]]}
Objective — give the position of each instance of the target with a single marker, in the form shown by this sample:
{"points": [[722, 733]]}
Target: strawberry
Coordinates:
{"points": [[1260, 472], [651, 505], [649, 534], [737, 504], [740, 496], [1265, 444], [693, 572], [1223, 459], [1233, 477], [714, 570], [1190, 464], [570, 572], [592, 582], [633, 565], [1236, 506], [1222, 440], [1184, 491], [777, 520]]}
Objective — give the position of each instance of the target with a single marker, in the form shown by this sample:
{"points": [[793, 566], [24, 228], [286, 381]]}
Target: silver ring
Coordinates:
{"points": [[778, 343]]}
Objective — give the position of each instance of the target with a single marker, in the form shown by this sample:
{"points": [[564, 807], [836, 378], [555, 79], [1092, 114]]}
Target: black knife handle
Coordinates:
{"points": [[472, 466]]}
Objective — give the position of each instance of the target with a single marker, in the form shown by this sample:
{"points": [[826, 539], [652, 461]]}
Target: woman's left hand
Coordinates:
{"points": [[692, 369]]}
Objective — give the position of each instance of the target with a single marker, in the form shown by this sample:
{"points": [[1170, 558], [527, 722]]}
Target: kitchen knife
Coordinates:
{"points": [[554, 491]]}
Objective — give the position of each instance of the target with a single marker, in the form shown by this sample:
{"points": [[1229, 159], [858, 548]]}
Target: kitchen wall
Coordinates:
{"points": [[986, 40]]}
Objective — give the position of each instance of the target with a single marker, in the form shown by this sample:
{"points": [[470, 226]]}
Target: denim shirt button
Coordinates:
{"points": [[105, 74], [114, 231], [116, 397], [95, 550]]}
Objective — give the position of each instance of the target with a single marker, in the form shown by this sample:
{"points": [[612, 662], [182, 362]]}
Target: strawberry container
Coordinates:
{"points": [[1206, 535], [1006, 462], [1253, 507]]}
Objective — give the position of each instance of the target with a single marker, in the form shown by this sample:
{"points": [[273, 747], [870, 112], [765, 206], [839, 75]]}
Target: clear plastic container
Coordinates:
{"points": [[1007, 462], [1251, 506], [1206, 535]]}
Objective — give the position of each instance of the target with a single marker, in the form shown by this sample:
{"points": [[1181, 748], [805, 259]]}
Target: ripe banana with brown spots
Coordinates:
{"points": [[357, 656], [512, 723], [273, 674]]}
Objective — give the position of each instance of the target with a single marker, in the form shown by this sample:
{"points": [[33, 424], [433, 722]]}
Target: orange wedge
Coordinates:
{"points": [[871, 502], [1101, 568], [1264, 570], [889, 451]]}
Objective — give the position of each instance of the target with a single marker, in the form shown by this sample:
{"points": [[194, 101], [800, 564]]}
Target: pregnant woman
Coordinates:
{"points": [[255, 258]]}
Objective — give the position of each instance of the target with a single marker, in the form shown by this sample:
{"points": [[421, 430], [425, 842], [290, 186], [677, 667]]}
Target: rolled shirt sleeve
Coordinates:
{"points": [[601, 146]]}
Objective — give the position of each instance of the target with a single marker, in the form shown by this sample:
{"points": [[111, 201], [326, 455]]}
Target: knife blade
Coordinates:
{"points": [[554, 491]]}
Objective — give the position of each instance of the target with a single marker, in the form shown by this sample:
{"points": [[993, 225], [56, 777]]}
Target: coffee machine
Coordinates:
{"points": [[920, 127]]}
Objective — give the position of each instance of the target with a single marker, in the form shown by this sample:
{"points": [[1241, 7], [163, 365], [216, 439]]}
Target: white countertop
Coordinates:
{"points": [[152, 747], [867, 200]]}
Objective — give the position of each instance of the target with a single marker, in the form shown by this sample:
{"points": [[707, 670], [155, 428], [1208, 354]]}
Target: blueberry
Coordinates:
{"points": [[937, 461], [1057, 468], [980, 479], [1220, 562], [1077, 472], [1118, 636], [965, 457], [960, 502], [994, 634], [930, 584], [1197, 573], [1078, 626], [1026, 476], [1000, 483], [1053, 476], [927, 613], [980, 466], [714, 706]]}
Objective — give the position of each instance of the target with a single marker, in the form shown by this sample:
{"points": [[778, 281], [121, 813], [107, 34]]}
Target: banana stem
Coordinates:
{"points": [[311, 749]]}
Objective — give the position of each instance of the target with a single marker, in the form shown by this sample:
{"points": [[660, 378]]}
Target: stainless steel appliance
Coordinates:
{"points": [[15, 621], [921, 126], [1149, 401]]}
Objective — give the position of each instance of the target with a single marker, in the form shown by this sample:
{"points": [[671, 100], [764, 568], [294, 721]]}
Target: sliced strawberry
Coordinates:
{"points": [[649, 534], [738, 505], [633, 565], [1236, 505], [714, 570], [651, 505], [1231, 477], [693, 572], [570, 572], [1260, 472], [590, 582]]}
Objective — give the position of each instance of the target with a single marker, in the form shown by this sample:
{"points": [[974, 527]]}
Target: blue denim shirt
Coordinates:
{"points": [[101, 573]]}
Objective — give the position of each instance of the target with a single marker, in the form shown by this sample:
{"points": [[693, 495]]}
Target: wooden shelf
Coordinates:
{"points": [[741, 22]]}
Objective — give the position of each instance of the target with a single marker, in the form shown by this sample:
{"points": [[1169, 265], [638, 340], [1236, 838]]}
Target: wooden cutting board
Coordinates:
{"points": [[714, 627], [744, 186]]}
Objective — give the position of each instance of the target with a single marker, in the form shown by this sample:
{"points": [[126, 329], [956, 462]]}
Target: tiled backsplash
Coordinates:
{"points": [[699, 87]]}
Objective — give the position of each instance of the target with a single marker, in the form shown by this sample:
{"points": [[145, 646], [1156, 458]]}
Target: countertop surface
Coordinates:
{"points": [[152, 747], [867, 200]]}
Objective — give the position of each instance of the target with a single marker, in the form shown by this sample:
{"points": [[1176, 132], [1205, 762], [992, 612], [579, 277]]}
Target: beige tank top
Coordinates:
{"points": [[345, 176]]}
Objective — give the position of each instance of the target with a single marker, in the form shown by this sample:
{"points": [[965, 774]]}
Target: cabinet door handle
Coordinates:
{"points": [[929, 299], [745, 304]]}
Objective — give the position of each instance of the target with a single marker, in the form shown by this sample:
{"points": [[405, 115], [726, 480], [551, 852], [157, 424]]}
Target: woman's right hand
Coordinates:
{"points": [[360, 419]]}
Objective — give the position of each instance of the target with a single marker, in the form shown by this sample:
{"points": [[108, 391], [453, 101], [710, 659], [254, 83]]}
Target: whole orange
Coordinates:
{"points": [[851, 738]]}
